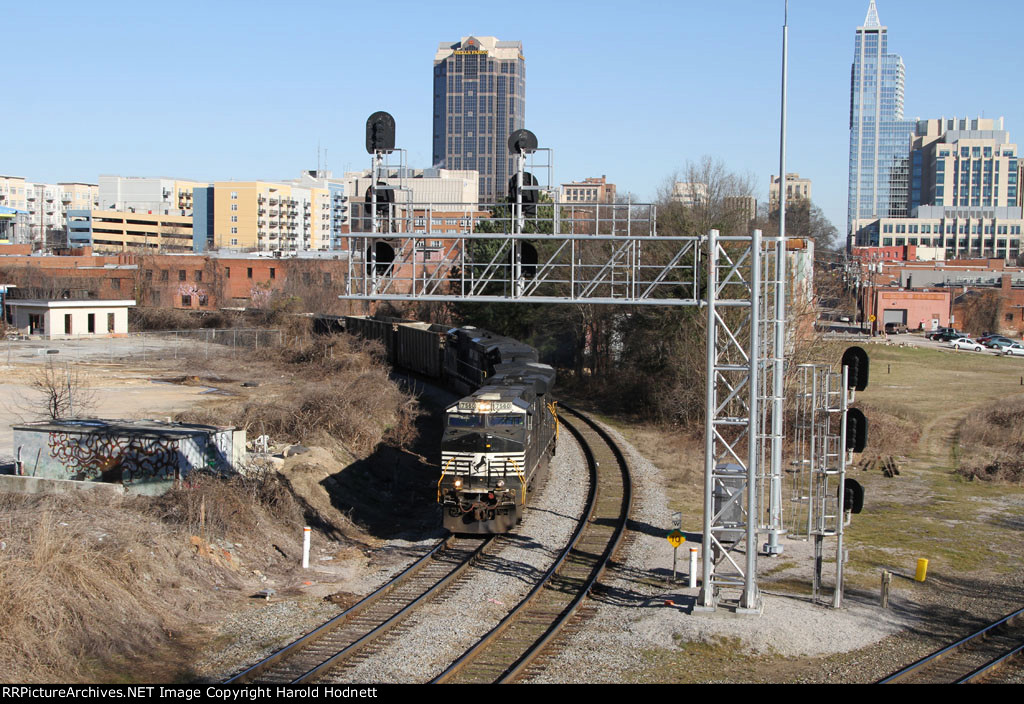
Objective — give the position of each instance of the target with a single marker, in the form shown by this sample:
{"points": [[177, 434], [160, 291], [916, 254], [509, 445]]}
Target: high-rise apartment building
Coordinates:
{"points": [[479, 100], [689, 193], [43, 207], [964, 193], [157, 196], [879, 136], [967, 163], [797, 190]]}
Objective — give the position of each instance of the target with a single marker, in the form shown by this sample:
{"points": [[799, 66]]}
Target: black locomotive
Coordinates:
{"points": [[499, 438]]}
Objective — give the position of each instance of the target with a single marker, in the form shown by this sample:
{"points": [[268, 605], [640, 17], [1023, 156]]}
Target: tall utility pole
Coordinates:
{"points": [[778, 377]]}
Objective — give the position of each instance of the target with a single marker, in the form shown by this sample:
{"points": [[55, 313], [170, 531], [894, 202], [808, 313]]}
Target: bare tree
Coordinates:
{"points": [[711, 199], [61, 391]]}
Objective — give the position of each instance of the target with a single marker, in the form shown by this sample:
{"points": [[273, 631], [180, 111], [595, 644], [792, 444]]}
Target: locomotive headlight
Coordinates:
{"points": [[501, 483], [458, 483]]}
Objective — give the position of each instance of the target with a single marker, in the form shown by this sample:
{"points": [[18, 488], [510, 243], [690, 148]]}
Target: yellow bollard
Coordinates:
{"points": [[922, 569]]}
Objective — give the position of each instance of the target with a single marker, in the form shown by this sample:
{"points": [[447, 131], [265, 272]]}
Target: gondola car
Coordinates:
{"points": [[499, 438]]}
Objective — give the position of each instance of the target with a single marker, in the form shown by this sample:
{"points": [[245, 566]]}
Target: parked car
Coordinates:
{"points": [[948, 335], [996, 342], [895, 328], [1014, 348], [966, 343]]}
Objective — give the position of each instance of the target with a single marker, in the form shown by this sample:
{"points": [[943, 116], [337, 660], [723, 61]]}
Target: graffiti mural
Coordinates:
{"points": [[117, 458]]}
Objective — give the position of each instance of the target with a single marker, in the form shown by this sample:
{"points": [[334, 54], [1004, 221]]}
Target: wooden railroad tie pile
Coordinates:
{"points": [[887, 465]]}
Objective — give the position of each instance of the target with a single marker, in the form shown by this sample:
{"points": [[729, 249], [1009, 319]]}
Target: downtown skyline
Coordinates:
{"points": [[248, 91]]}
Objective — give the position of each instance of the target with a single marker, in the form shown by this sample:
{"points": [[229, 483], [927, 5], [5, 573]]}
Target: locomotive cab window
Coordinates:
{"points": [[504, 420], [463, 420]]}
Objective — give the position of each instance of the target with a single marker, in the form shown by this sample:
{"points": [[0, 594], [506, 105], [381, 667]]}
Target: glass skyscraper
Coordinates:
{"points": [[479, 100], [879, 136]]}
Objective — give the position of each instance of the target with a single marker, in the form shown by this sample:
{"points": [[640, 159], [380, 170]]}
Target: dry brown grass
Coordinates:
{"points": [[318, 390], [146, 318], [90, 586], [890, 434], [990, 445], [94, 589]]}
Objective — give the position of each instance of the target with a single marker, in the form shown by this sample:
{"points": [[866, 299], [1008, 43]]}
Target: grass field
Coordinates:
{"points": [[928, 510], [917, 398]]}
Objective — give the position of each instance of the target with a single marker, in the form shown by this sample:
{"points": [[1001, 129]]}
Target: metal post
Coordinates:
{"points": [[374, 173], [707, 598], [775, 492], [518, 225], [305, 547], [837, 597], [751, 597]]}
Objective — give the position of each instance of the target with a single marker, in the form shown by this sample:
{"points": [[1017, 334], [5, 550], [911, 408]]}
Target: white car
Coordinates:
{"points": [[966, 343], [1014, 349]]}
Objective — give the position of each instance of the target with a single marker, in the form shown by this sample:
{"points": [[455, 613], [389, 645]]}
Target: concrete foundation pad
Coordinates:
{"points": [[15, 484]]}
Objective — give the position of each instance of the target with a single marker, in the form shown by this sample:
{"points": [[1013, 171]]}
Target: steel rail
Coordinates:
{"points": [[958, 646], [533, 649], [989, 668], [360, 608]]}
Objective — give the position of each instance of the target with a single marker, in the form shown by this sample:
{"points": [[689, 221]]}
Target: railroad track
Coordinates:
{"points": [[507, 650], [357, 628], [973, 659], [523, 633]]}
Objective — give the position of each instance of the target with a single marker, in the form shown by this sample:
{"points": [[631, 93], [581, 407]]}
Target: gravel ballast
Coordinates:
{"points": [[640, 627], [438, 634]]}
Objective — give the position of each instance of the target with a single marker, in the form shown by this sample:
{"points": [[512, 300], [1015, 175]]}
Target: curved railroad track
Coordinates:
{"points": [[352, 631], [507, 650], [973, 659], [523, 633]]}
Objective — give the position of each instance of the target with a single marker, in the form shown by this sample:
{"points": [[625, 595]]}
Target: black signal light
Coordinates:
{"points": [[529, 193], [380, 133], [856, 430], [857, 360], [853, 496]]}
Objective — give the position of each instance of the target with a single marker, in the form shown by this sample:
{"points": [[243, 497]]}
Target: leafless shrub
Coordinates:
{"points": [[336, 387], [990, 445], [60, 391], [890, 434], [142, 318], [216, 507]]}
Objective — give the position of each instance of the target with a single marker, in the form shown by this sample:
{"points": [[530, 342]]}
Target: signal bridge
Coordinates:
{"points": [[533, 249]]}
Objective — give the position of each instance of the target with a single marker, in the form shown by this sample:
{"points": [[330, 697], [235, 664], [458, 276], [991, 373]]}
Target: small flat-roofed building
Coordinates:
{"points": [[56, 319], [143, 456]]}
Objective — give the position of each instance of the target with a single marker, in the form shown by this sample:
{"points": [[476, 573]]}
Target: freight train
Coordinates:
{"points": [[499, 438]]}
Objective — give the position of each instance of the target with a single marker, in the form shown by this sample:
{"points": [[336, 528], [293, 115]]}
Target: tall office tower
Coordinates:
{"points": [[479, 100], [879, 136]]}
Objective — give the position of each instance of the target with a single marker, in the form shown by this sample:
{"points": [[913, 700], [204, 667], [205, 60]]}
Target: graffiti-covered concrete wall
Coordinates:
{"points": [[146, 457]]}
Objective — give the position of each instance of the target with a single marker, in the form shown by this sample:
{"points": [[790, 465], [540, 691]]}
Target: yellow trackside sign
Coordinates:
{"points": [[676, 538]]}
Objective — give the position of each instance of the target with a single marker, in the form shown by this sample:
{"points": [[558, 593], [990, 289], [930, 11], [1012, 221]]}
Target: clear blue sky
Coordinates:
{"points": [[232, 90]]}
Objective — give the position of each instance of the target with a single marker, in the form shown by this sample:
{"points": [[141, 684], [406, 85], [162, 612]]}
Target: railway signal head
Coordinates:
{"points": [[380, 133], [857, 360], [528, 194], [522, 141], [856, 430], [853, 496]]}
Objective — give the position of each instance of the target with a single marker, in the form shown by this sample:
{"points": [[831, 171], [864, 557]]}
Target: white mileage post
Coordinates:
{"points": [[675, 539]]}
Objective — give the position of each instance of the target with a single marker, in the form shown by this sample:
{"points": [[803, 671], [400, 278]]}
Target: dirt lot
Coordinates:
{"points": [[171, 570]]}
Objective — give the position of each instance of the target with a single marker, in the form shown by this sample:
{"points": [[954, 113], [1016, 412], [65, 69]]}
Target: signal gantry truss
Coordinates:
{"points": [[532, 251]]}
